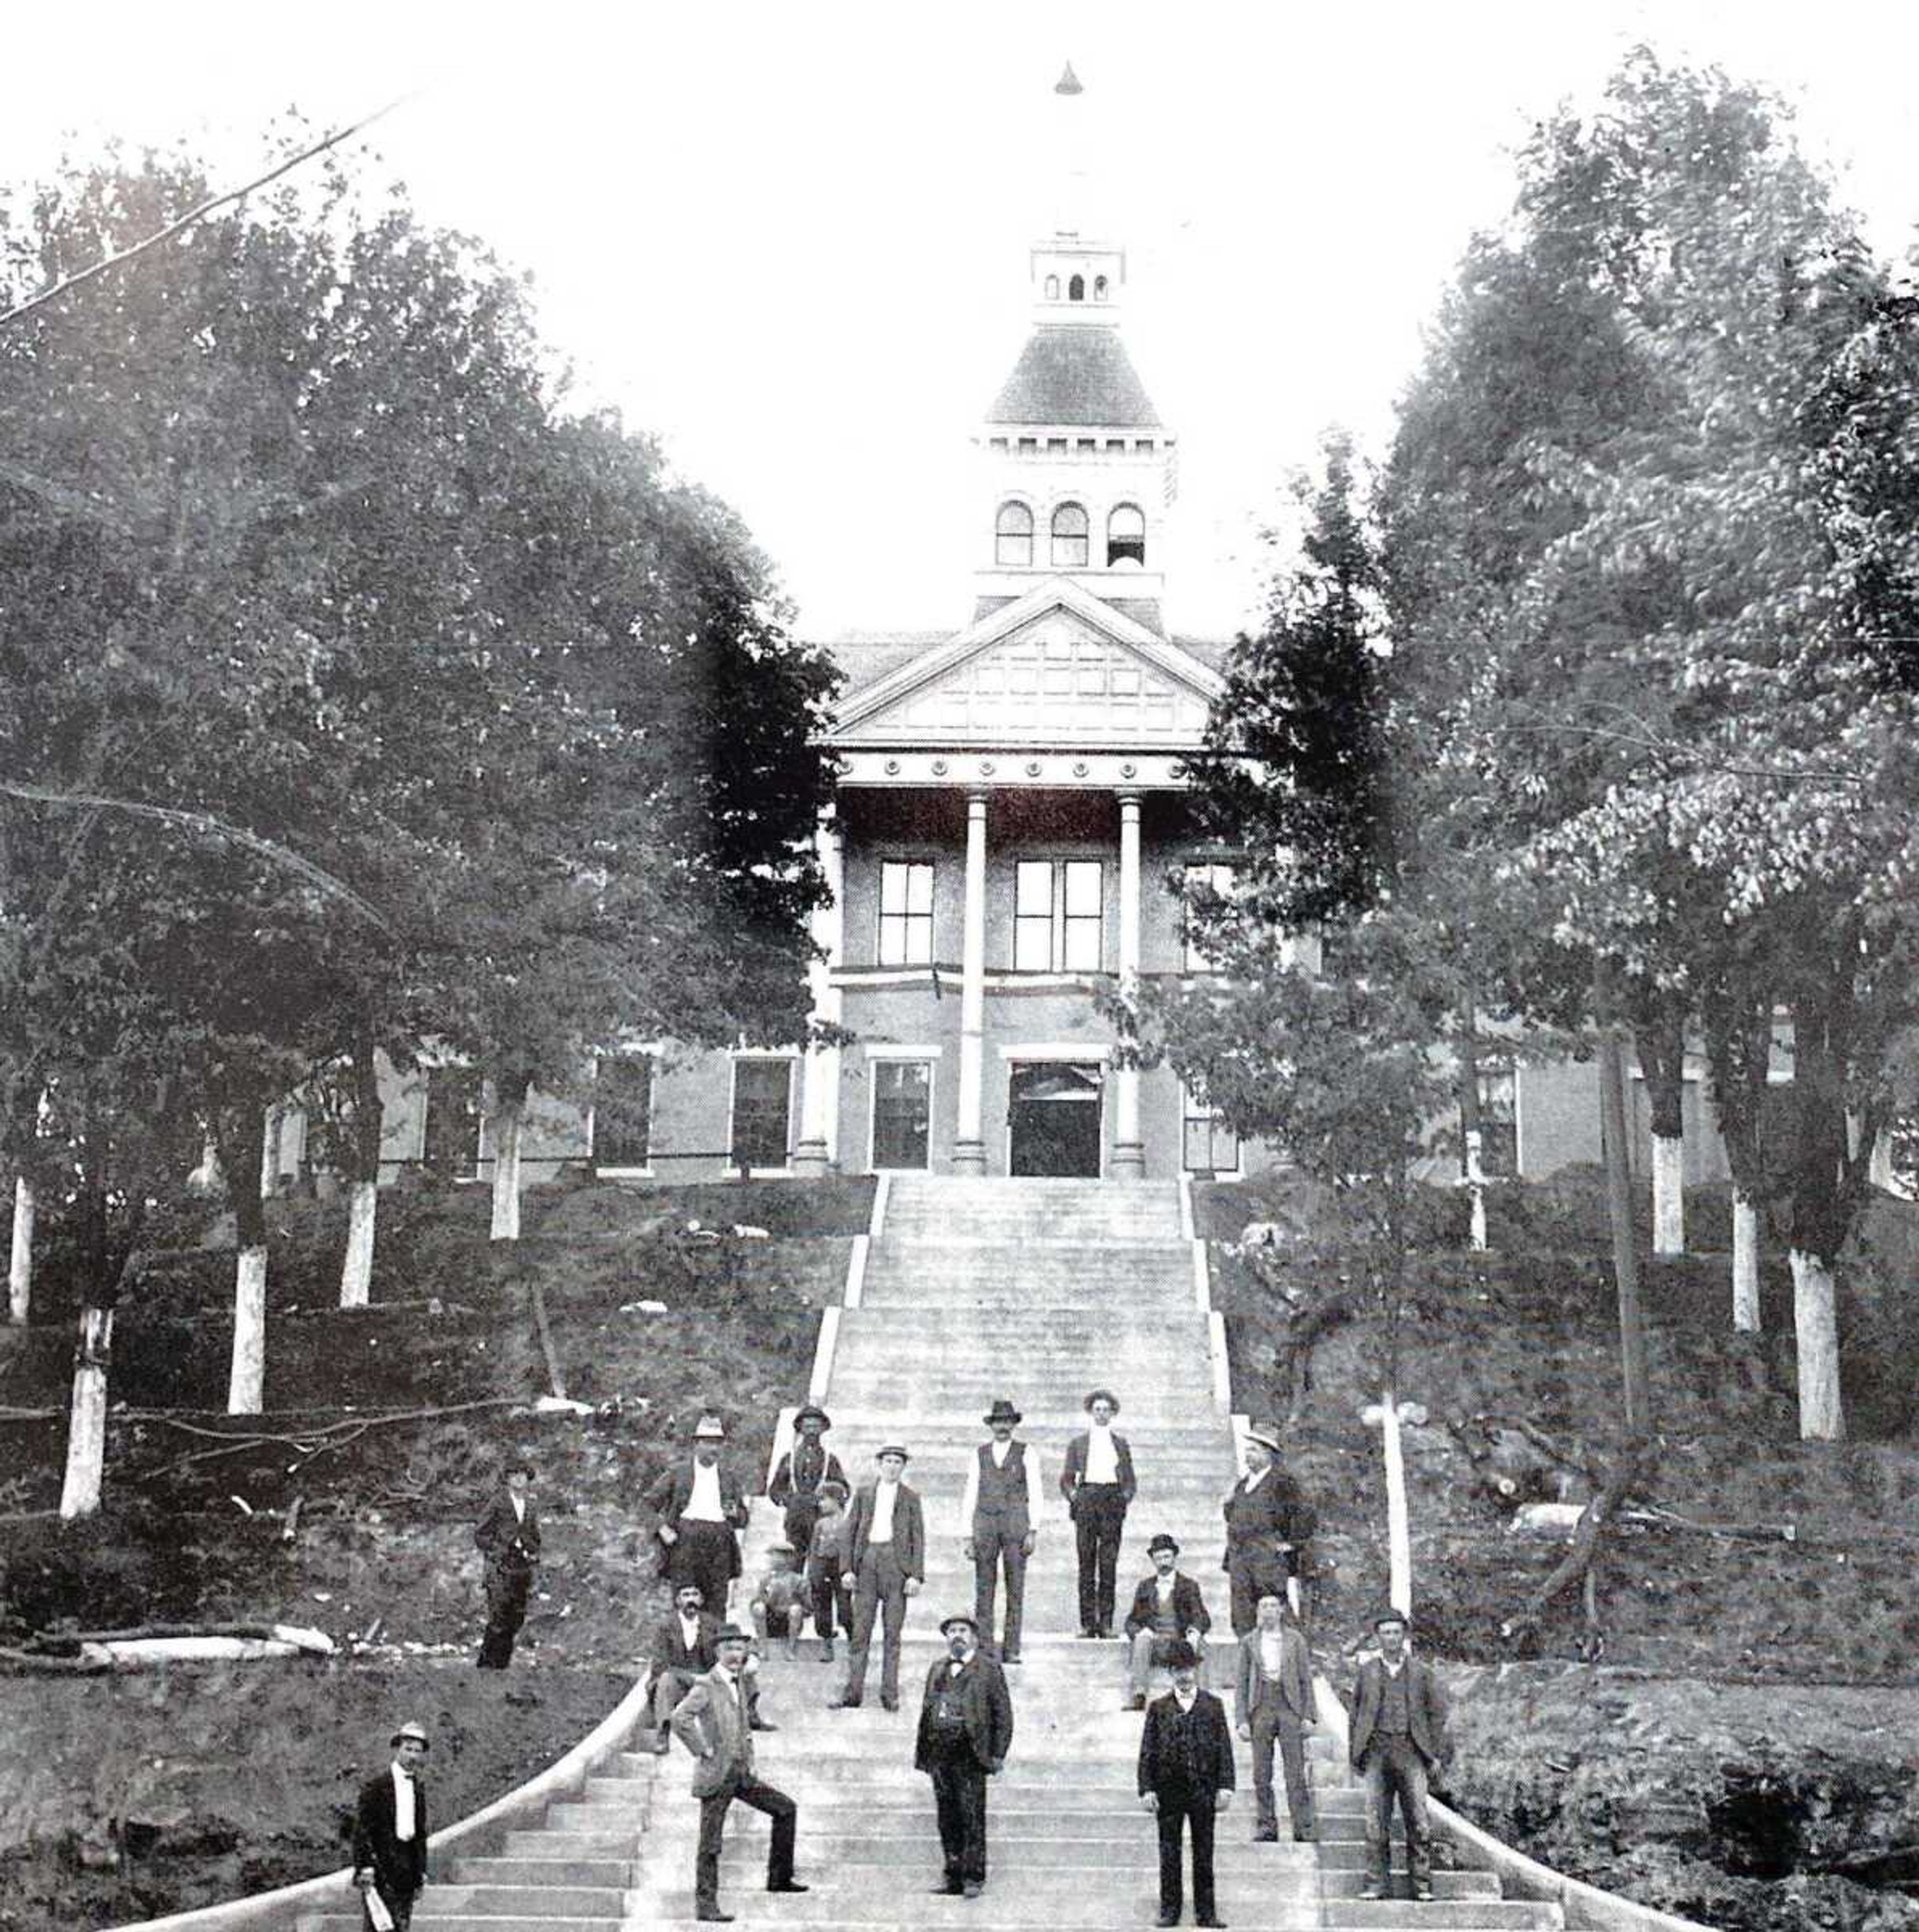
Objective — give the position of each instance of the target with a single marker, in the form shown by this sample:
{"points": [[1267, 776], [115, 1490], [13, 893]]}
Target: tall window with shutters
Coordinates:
{"points": [[762, 1112], [902, 1112]]}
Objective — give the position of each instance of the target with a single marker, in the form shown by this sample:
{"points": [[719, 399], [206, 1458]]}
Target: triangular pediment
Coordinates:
{"points": [[1056, 668]]}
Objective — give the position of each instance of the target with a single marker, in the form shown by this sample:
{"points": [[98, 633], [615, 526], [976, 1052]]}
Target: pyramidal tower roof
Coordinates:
{"points": [[1079, 376]]}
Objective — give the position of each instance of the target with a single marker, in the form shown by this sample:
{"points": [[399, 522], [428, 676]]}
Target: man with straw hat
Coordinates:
{"points": [[701, 1510], [390, 1835], [1266, 1521]]}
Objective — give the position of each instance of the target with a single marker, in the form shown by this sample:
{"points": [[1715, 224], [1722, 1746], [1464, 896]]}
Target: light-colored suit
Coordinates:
{"points": [[713, 1722]]}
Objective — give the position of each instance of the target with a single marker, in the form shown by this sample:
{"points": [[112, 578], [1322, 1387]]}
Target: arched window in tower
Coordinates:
{"points": [[1070, 538], [1052, 288], [1012, 536], [1076, 289], [1100, 288], [1126, 536]]}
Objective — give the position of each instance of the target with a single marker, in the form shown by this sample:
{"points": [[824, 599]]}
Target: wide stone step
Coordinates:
{"points": [[1442, 1915], [556, 1873], [491, 1901], [1011, 1900], [550, 1841], [528, 1918], [1270, 1864]]}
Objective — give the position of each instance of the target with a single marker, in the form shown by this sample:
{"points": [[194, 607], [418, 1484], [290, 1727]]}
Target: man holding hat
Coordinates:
{"points": [[1097, 1482], [800, 1474], [1187, 1777], [1399, 1734], [966, 1728], [999, 1516], [390, 1834], [886, 1563], [714, 1722], [701, 1510], [1266, 1521], [1167, 1608], [508, 1537]]}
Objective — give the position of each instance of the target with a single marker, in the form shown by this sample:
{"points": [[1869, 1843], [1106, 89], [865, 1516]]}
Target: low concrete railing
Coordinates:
{"points": [[278, 1911]]}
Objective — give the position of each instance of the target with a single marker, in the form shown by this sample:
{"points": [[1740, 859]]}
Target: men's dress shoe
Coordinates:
{"points": [[826, 1651], [842, 1703], [972, 1888], [948, 1888], [711, 1915], [1267, 1837], [1089, 1632], [1011, 1656], [889, 1703], [1137, 1703], [1423, 1894], [1169, 1918], [1303, 1835], [761, 1724], [787, 1885], [1217, 1924], [662, 1743], [1377, 1889]]}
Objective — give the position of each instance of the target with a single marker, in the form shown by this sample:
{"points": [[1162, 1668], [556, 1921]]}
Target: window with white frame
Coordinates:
{"points": [[623, 1111], [762, 1112], [456, 1111], [1059, 916], [1072, 538], [1204, 877], [902, 1112], [1208, 1144], [906, 912], [1012, 533], [1499, 1118]]}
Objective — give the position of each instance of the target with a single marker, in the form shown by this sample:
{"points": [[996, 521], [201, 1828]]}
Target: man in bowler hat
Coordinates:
{"points": [[714, 1721], [390, 1834], [966, 1728], [1166, 1606], [1098, 1483], [507, 1537], [1185, 1778], [1399, 1734], [999, 1515], [801, 1473]]}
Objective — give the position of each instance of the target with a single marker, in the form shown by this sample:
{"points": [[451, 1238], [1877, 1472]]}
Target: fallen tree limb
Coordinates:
{"points": [[1594, 1521], [315, 1442]]}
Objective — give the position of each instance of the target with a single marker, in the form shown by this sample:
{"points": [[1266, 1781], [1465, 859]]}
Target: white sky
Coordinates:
{"points": [[791, 238]]}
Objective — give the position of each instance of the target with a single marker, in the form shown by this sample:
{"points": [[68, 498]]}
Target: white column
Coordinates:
{"points": [[1128, 1150], [969, 1142], [820, 1081]]}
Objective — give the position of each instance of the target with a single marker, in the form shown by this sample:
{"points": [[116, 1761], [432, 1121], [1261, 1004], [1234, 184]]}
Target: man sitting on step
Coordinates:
{"points": [[1167, 1608], [999, 1518], [684, 1646], [886, 1564], [1097, 1481]]}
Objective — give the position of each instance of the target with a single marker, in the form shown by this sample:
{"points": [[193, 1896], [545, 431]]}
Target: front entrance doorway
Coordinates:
{"points": [[1054, 1119]]}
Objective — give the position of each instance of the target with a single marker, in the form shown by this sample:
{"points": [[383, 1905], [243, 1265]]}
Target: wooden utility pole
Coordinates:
{"points": [[1619, 1202]]}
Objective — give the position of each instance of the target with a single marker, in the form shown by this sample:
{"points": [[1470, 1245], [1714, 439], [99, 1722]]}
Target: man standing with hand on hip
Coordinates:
{"points": [[999, 1518], [1185, 1778], [965, 1728]]}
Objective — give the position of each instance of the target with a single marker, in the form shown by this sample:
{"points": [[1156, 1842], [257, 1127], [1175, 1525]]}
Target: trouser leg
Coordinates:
{"points": [[668, 1689], [1379, 1826], [785, 1815], [1111, 1519], [707, 1855], [507, 1592], [1086, 1548], [1407, 1771], [952, 1827], [892, 1598], [972, 1823], [865, 1605], [1171, 1822], [1298, 1787], [1200, 1816], [985, 1581], [802, 1514], [1264, 1729], [1012, 1551], [1139, 1672]]}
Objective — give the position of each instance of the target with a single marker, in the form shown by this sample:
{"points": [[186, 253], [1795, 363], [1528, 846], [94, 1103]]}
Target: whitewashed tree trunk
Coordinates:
{"points": [[1745, 1265], [1398, 1520], [1815, 1327], [356, 1271], [1668, 1194], [505, 1132], [19, 1266], [86, 1429], [246, 1387], [1475, 1194], [1879, 1169]]}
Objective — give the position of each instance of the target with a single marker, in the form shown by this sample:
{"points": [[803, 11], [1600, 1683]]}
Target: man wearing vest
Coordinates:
{"points": [[999, 1514], [1276, 1703], [1097, 1482], [1398, 1735], [1167, 1608], [1185, 1778], [886, 1563], [801, 1472], [965, 1728], [714, 1721], [701, 1510]]}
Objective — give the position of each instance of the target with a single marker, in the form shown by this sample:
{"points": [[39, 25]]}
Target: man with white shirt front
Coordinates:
{"points": [[1098, 1483], [701, 1510], [1266, 1521], [508, 1537], [1186, 1777], [1398, 1735], [886, 1564], [999, 1520], [390, 1834], [1167, 1608]]}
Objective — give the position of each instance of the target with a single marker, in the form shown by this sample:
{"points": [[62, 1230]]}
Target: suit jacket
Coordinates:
{"points": [[672, 1490], [1428, 1710], [399, 1869], [782, 1490], [908, 1529], [1189, 1610], [1295, 1686], [1274, 1512], [499, 1530], [1193, 1754], [981, 1691], [668, 1650], [1072, 1471], [710, 1722]]}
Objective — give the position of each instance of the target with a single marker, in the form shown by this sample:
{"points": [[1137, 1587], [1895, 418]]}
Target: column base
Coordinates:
{"points": [[1128, 1161], [969, 1157], [810, 1158]]}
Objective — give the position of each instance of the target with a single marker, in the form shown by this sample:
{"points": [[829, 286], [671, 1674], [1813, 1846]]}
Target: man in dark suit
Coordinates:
{"points": [[684, 1646], [966, 1728], [1266, 1521], [1000, 1519], [1098, 1483], [508, 1537], [800, 1474], [1399, 1734], [701, 1510], [714, 1722], [1185, 1778], [1167, 1607], [1276, 1703], [390, 1834], [886, 1563]]}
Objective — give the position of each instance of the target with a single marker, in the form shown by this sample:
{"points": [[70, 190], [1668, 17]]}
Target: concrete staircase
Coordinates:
{"points": [[1037, 1291]]}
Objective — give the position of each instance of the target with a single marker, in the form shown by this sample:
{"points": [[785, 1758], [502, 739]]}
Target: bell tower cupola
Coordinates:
{"points": [[1077, 469]]}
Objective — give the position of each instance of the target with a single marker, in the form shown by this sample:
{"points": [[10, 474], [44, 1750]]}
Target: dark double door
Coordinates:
{"points": [[1053, 1119]]}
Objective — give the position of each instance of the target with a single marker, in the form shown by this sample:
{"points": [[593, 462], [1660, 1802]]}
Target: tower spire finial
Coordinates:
{"points": [[1069, 82]]}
